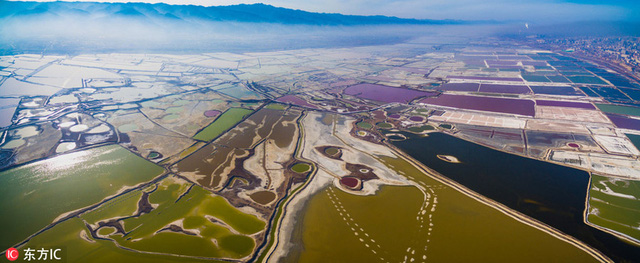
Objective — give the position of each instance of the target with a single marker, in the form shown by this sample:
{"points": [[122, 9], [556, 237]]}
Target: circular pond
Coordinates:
{"points": [[78, 128], [212, 113], [28, 131], [364, 125], [419, 129], [102, 128], [65, 146], [67, 124], [263, 197], [301, 167], [351, 182], [170, 117], [384, 125], [332, 151], [127, 128], [154, 155]]}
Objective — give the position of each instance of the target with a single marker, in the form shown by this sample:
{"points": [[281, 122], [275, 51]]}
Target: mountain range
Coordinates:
{"points": [[253, 13]]}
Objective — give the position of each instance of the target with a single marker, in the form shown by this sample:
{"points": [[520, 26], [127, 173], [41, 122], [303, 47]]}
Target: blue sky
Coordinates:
{"points": [[521, 10]]}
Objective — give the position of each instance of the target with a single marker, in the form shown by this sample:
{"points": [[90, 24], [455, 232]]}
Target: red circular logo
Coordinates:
{"points": [[12, 254]]}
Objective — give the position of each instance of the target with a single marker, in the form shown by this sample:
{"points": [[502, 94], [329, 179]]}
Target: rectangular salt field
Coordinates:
{"points": [[385, 93], [632, 93], [501, 105], [14, 87], [506, 67], [6, 114], [471, 57], [534, 63], [556, 90], [535, 78], [485, 78], [499, 88], [7, 108], [513, 57], [619, 109], [569, 104], [460, 87], [558, 79], [586, 80], [611, 94], [624, 122], [502, 62]]}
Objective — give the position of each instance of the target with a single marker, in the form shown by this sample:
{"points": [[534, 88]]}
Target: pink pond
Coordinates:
{"points": [[498, 88], [624, 122], [350, 182], [212, 113], [570, 104], [417, 118], [502, 105], [485, 78], [385, 93]]}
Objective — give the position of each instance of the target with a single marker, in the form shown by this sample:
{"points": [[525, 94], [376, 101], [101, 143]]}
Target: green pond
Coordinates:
{"points": [[175, 201], [384, 125], [225, 121], [635, 139], [364, 125], [301, 168], [460, 229], [332, 151], [67, 234], [615, 204], [178, 109], [419, 129], [619, 109], [39, 192], [276, 106]]}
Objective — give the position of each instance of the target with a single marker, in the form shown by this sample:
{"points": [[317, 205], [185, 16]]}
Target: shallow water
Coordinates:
{"points": [[38, 192]]}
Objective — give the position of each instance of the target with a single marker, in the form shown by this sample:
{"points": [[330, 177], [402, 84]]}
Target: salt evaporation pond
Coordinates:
{"points": [[503, 105], [385, 93], [569, 104]]}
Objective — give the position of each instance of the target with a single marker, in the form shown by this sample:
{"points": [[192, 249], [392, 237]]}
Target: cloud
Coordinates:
{"points": [[541, 11]]}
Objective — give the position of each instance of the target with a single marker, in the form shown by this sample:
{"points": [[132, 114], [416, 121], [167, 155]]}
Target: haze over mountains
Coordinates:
{"points": [[78, 27], [68, 27]]}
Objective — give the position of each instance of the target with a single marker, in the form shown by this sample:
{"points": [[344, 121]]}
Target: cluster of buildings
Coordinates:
{"points": [[624, 51]]}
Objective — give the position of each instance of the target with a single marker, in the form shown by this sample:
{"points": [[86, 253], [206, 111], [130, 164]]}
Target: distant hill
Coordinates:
{"points": [[254, 13]]}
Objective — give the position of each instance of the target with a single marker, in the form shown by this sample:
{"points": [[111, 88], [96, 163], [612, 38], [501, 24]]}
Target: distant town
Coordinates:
{"points": [[621, 51]]}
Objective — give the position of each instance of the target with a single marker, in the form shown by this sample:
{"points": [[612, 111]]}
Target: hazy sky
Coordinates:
{"points": [[528, 10]]}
